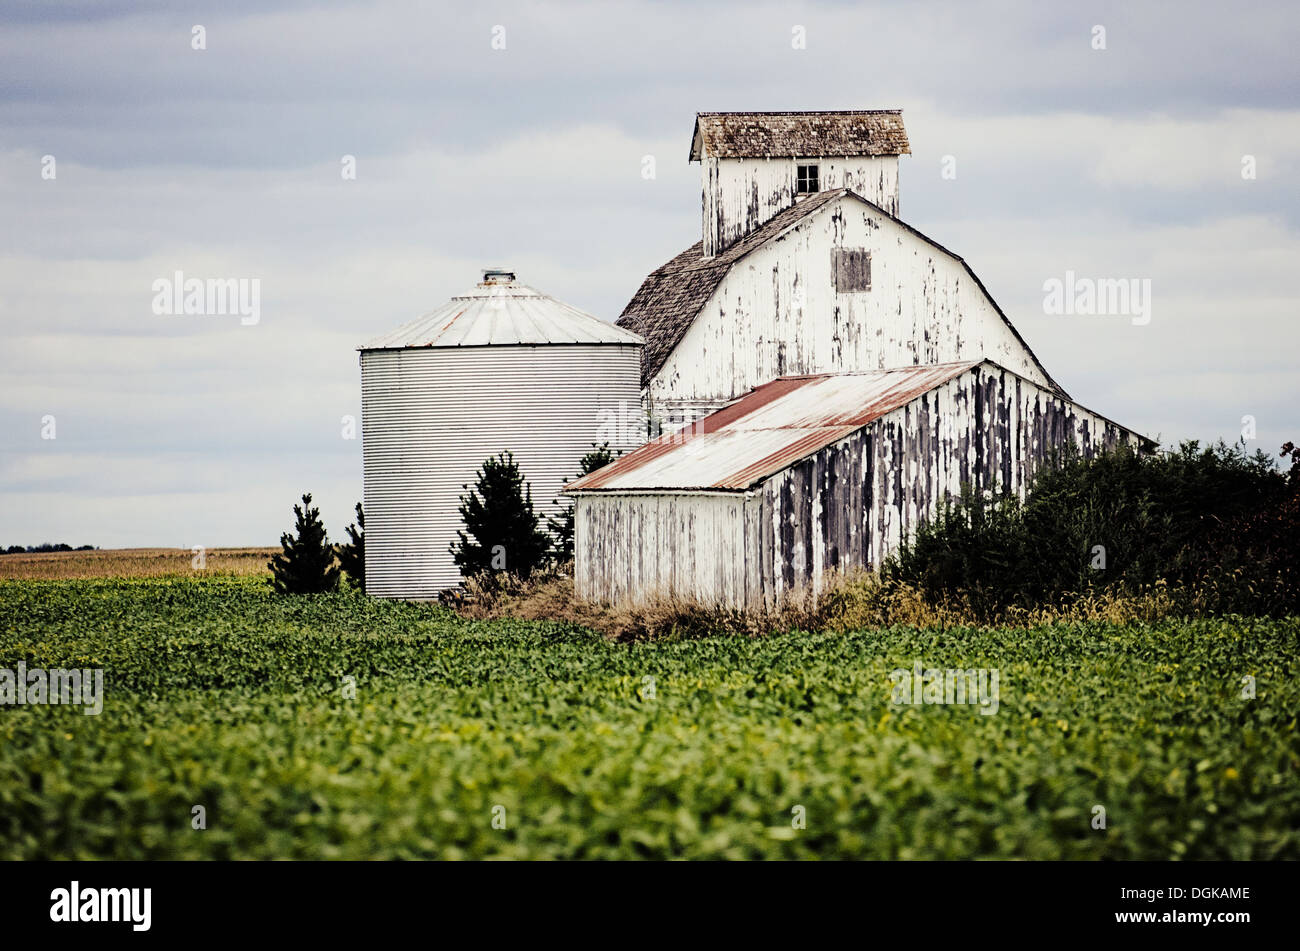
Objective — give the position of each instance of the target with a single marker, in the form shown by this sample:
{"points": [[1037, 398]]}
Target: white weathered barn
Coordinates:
{"points": [[501, 367], [856, 372]]}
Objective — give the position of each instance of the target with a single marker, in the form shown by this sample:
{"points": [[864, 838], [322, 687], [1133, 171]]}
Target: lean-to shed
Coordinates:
{"points": [[811, 473], [500, 367]]}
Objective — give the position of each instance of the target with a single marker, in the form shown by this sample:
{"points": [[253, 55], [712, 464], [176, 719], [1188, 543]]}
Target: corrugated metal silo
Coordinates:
{"points": [[502, 367]]}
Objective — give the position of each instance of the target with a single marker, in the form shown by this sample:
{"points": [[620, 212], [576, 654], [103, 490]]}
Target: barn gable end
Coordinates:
{"points": [[770, 306]]}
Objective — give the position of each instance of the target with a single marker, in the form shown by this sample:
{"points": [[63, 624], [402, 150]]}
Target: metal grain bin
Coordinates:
{"points": [[502, 367]]}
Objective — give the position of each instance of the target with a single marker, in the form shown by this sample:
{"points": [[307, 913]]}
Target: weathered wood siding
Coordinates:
{"points": [[847, 505], [739, 195], [632, 548], [851, 504], [778, 313]]}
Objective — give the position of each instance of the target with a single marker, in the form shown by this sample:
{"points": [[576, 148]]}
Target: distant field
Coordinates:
{"points": [[134, 563], [338, 726]]}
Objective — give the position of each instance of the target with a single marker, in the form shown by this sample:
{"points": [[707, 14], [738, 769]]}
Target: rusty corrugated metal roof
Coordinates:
{"points": [[500, 311], [771, 428]]}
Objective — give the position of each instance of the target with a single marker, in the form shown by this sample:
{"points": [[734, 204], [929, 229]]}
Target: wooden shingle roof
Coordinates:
{"points": [[799, 134]]}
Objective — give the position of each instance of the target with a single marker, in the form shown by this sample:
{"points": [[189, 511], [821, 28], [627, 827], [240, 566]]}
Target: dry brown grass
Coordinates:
{"points": [[549, 596], [846, 602], [134, 563]]}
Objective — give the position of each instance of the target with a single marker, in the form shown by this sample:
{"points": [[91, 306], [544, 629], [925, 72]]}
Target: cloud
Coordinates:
{"points": [[226, 163]]}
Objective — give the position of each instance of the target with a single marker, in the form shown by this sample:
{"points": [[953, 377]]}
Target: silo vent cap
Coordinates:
{"points": [[496, 275]]}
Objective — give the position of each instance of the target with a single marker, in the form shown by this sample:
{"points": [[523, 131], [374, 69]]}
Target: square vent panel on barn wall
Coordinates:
{"points": [[852, 268]]}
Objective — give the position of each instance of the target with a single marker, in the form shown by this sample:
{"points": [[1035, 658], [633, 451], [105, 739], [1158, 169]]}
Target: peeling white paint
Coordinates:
{"points": [[777, 313], [739, 195]]}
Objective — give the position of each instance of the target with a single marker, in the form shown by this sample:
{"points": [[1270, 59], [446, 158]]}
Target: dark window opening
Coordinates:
{"points": [[806, 180], [852, 267]]}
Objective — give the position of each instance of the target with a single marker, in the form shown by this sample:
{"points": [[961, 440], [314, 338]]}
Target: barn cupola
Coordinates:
{"points": [[756, 164]]}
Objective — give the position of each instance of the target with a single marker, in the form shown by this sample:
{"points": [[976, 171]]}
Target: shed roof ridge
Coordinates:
{"points": [[899, 368], [816, 438]]}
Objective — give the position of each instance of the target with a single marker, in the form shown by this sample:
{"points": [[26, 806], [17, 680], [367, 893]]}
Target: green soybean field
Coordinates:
{"points": [[235, 724]]}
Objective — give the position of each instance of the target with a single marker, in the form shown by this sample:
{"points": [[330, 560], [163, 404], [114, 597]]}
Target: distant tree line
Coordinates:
{"points": [[45, 546]]}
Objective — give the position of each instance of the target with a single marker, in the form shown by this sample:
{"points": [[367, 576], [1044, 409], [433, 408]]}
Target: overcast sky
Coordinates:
{"points": [[1123, 162]]}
